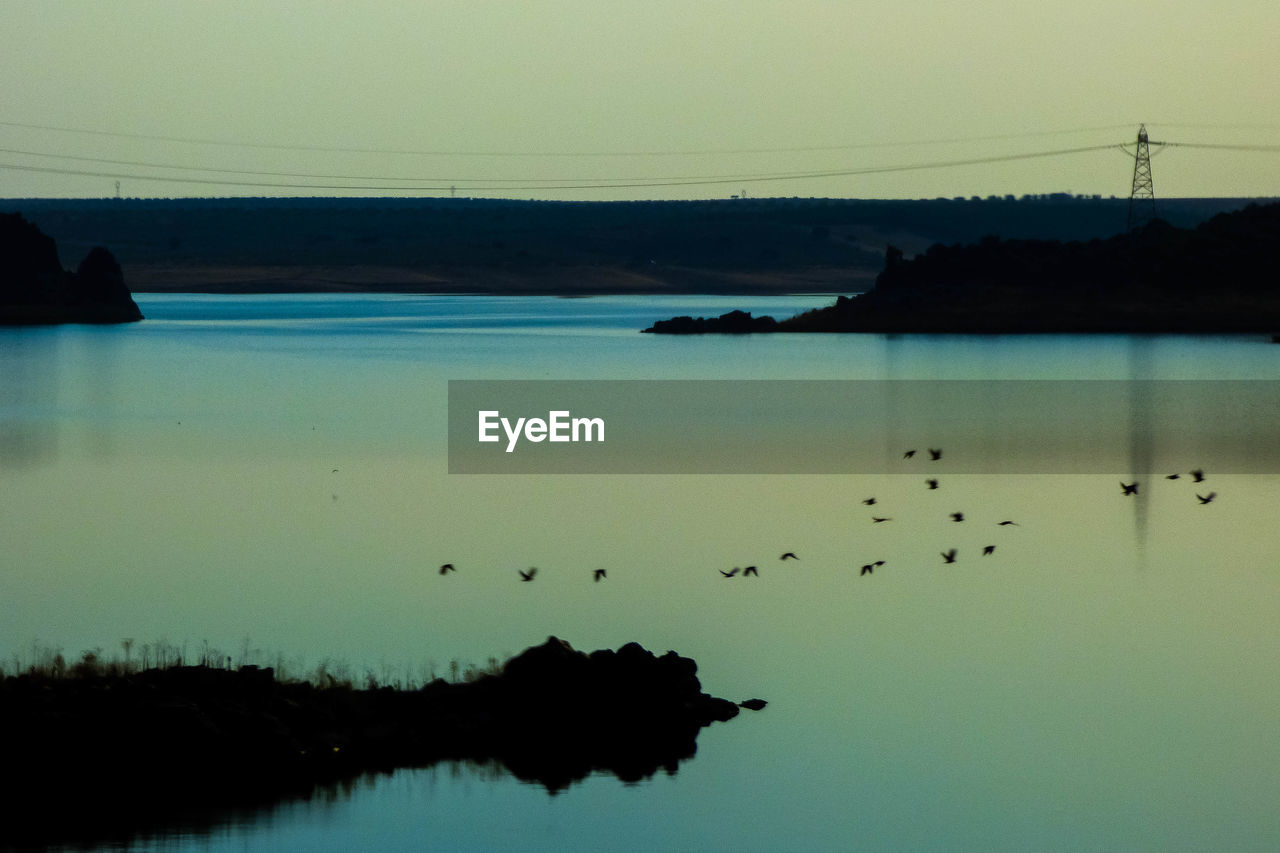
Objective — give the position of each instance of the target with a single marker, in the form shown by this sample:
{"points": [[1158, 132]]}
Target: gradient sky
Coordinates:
{"points": [[518, 97]]}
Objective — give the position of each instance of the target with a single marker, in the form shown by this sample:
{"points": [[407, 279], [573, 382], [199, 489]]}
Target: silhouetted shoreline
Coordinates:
{"points": [[1217, 277], [142, 747]]}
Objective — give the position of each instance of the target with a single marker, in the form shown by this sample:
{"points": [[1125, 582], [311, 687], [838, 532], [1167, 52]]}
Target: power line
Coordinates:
{"points": [[668, 153], [586, 183], [1218, 147], [322, 177]]}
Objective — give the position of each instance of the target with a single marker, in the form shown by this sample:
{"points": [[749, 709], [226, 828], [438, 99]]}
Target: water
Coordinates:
{"points": [[266, 477]]}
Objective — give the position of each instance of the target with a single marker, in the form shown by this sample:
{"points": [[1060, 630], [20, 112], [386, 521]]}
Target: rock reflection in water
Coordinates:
{"points": [[115, 755]]}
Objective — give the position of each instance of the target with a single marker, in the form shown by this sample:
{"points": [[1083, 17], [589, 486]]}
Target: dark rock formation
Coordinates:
{"points": [[159, 740], [36, 290], [734, 322]]}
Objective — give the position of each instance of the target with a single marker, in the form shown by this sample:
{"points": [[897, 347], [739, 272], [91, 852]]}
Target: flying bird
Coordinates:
{"points": [[990, 549], [527, 576], [1173, 477], [790, 555], [908, 454], [750, 570], [878, 520], [934, 455], [867, 569], [869, 501], [933, 484], [1130, 488], [957, 516], [949, 556], [1007, 523], [1198, 474], [597, 574], [1204, 499], [446, 568], [730, 573]]}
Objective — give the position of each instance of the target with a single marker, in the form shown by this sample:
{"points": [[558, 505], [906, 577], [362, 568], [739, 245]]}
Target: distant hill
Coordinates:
{"points": [[507, 246], [1219, 276], [36, 290]]}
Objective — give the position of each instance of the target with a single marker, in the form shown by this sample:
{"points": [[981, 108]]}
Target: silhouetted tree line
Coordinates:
{"points": [[668, 240], [1218, 276]]}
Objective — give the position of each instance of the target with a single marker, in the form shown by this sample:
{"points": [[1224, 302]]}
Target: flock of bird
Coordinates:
{"points": [[1197, 477], [948, 556]]}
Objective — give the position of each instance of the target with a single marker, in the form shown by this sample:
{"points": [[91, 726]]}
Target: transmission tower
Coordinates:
{"points": [[1142, 198]]}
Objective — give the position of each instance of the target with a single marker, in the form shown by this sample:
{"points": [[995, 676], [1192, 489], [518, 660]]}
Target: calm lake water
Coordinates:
{"points": [[267, 476]]}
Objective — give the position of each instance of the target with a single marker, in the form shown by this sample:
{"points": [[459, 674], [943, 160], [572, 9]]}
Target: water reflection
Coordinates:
{"points": [[1042, 697], [29, 373], [56, 380], [1142, 423]]}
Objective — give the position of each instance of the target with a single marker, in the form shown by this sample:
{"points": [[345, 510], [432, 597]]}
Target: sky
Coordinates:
{"points": [[614, 99]]}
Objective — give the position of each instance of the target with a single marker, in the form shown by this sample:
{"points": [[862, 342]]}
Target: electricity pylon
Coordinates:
{"points": [[1142, 198]]}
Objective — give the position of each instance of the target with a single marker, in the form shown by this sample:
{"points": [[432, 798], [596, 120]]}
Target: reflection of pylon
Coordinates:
{"points": [[1142, 198]]}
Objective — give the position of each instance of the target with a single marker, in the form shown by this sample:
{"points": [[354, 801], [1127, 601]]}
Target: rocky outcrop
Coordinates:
{"points": [[734, 322], [551, 716], [36, 290]]}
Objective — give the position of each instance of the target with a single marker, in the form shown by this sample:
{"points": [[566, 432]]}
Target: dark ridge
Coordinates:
{"points": [[438, 245], [36, 290], [1220, 276], [117, 754]]}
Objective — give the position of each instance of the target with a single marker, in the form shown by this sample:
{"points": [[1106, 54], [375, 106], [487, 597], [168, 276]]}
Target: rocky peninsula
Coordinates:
{"points": [[36, 290], [1220, 276], [137, 745]]}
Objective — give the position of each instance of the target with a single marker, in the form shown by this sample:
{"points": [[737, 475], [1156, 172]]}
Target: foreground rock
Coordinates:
{"points": [[36, 290], [159, 740]]}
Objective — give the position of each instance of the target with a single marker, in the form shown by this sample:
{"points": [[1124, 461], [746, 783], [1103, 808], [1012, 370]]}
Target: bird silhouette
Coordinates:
{"points": [[1198, 475], [527, 576], [990, 549], [750, 570], [1204, 499], [790, 555], [934, 455], [1130, 488], [867, 569], [869, 501], [949, 556], [729, 574], [878, 520], [957, 516], [1007, 523], [1173, 477], [933, 484], [597, 574], [446, 568], [908, 454]]}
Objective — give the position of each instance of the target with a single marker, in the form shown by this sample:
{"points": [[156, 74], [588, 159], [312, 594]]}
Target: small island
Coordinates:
{"points": [[1219, 277], [133, 747], [36, 291]]}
